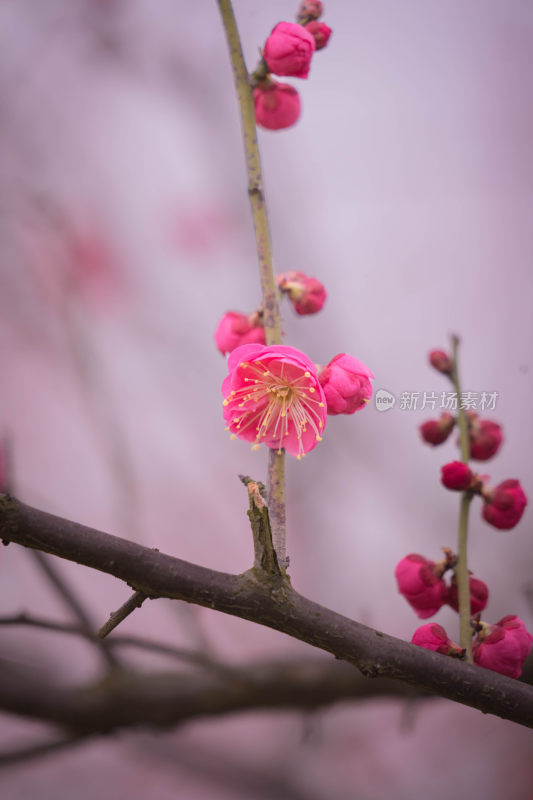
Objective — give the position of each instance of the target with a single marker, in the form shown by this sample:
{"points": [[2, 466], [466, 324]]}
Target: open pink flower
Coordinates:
{"points": [[277, 105], [503, 647], [289, 49], [505, 504], [236, 329], [433, 637], [272, 396], [420, 582], [346, 384], [306, 294]]}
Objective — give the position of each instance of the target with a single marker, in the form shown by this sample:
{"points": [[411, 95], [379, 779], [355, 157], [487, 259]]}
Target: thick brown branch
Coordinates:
{"points": [[251, 597]]}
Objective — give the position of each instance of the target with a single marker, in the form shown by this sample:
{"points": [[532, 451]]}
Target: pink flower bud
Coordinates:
{"points": [[306, 294], [320, 31], [235, 329], [503, 647], [433, 637], [346, 384], [457, 475], [289, 49], [420, 582], [441, 361], [277, 105], [485, 437], [479, 595], [310, 9], [505, 504], [436, 431]]}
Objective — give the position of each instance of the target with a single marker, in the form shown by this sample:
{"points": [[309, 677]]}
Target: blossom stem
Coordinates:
{"points": [[461, 569], [271, 313]]}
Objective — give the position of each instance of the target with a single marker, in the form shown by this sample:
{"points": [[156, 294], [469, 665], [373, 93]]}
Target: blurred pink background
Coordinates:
{"points": [[407, 188]]}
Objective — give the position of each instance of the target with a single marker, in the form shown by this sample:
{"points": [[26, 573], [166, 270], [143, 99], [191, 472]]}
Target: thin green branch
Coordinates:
{"points": [[461, 569], [271, 318]]}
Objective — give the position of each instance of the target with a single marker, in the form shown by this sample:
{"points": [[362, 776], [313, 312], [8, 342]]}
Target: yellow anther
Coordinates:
{"points": [[225, 402], [311, 389], [307, 374], [321, 405], [318, 438], [232, 436], [256, 446]]}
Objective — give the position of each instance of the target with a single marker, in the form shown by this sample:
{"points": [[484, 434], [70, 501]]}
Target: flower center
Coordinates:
{"points": [[278, 399]]}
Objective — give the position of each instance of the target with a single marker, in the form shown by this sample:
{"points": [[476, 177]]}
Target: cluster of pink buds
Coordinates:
{"points": [[502, 647], [287, 52], [235, 329], [503, 506], [422, 583]]}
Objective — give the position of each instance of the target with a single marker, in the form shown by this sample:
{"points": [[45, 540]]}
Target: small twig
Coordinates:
{"points": [[183, 654], [40, 749], [72, 602], [265, 558], [461, 569], [135, 601]]}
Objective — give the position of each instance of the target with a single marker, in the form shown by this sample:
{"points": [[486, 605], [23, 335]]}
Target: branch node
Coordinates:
{"points": [[265, 557]]}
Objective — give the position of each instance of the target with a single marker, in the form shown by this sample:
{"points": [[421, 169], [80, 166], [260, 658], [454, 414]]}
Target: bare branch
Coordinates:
{"points": [[72, 602], [180, 653], [267, 602], [135, 601]]}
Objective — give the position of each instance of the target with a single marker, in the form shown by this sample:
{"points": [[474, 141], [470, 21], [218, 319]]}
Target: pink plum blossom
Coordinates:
{"points": [[505, 504], [485, 437], [306, 294], [236, 329], [321, 33], [436, 431], [272, 396], [457, 475], [503, 647], [433, 637], [289, 49], [420, 582], [311, 9], [277, 105], [441, 361], [346, 384]]}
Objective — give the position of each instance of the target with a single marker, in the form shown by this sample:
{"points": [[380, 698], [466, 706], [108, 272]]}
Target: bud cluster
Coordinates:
{"points": [[287, 52], [502, 647]]}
